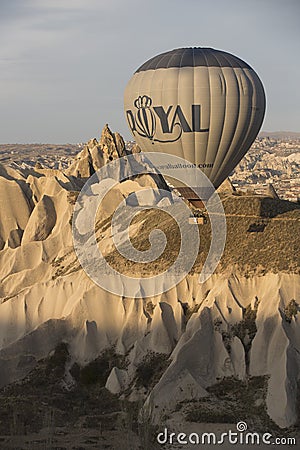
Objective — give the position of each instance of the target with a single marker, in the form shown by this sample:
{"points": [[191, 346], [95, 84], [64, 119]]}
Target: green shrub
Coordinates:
{"points": [[151, 369], [150, 307], [55, 364], [291, 310], [97, 371], [231, 400]]}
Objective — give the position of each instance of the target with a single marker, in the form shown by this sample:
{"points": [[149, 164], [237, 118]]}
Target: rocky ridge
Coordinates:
{"points": [[242, 324]]}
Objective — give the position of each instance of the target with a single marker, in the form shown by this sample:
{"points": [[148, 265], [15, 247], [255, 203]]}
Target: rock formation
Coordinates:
{"points": [[226, 187], [242, 323], [95, 154], [271, 192]]}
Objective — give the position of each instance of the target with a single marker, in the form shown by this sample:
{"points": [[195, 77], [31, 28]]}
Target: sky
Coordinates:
{"points": [[64, 64]]}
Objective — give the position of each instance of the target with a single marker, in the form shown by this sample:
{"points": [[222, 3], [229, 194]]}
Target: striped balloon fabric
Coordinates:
{"points": [[202, 104]]}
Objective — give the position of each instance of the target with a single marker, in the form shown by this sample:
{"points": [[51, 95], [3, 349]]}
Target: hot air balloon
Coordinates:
{"points": [[201, 104]]}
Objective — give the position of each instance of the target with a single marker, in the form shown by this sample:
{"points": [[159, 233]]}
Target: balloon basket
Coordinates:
{"points": [[196, 220]]}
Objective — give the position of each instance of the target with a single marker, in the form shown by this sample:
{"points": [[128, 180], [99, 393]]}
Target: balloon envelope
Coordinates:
{"points": [[201, 104]]}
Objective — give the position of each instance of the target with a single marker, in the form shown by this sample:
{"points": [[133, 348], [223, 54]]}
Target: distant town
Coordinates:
{"points": [[271, 161]]}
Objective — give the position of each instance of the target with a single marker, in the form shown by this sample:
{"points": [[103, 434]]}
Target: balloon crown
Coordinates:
{"points": [[143, 101]]}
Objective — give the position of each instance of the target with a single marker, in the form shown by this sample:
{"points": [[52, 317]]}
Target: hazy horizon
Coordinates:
{"points": [[129, 139], [65, 64]]}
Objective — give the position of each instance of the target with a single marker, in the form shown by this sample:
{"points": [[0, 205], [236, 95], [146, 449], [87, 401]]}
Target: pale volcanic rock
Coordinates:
{"points": [[52, 173], [96, 154], [237, 357], [120, 144], [46, 297], [11, 173], [136, 149], [82, 166], [226, 187], [43, 185], [14, 238], [274, 351], [271, 192], [41, 221], [96, 320], [112, 144], [117, 380], [15, 210]]}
